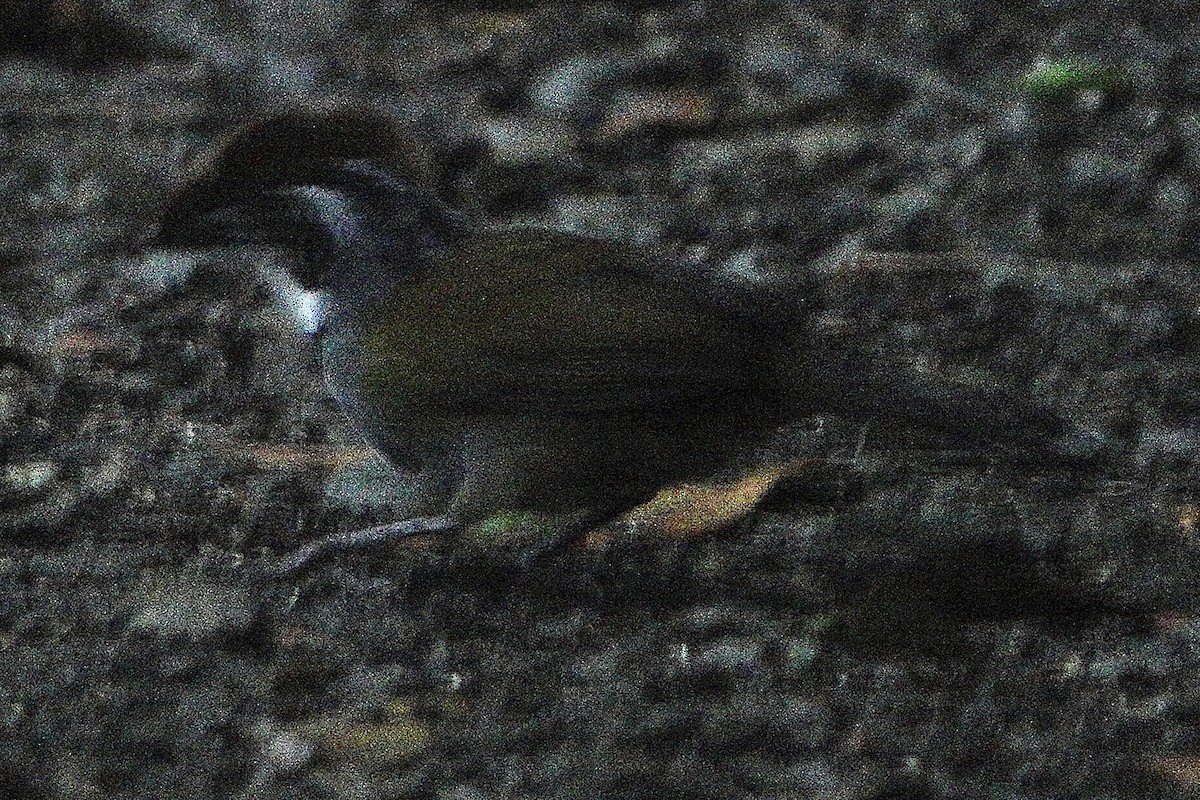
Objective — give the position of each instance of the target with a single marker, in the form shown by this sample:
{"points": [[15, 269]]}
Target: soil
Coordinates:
{"points": [[969, 194]]}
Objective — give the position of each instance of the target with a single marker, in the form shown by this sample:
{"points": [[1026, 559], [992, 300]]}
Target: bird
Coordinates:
{"points": [[517, 368]]}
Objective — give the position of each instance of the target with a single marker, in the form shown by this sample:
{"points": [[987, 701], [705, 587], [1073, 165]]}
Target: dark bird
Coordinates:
{"points": [[520, 368]]}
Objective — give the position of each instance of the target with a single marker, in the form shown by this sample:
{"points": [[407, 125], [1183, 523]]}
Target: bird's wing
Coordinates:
{"points": [[533, 321]]}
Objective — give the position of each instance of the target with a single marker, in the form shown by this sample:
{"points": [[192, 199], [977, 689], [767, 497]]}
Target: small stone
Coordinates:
{"points": [[29, 477], [191, 608]]}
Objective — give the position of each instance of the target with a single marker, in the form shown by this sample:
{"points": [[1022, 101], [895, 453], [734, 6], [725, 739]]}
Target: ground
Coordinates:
{"points": [[916, 618]]}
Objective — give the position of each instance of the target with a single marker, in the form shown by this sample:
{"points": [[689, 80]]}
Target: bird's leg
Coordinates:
{"points": [[314, 552]]}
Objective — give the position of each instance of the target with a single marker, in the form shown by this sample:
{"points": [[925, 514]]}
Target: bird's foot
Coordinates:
{"points": [[313, 553]]}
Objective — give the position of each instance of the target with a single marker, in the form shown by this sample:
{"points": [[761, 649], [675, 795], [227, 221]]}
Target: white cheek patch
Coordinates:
{"points": [[332, 211]]}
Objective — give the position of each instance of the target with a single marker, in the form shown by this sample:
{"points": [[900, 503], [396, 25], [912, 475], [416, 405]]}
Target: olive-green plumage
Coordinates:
{"points": [[510, 368], [535, 321], [577, 380]]}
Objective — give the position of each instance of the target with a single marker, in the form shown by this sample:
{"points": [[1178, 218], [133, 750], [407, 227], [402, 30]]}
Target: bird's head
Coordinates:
{"points": [[311, 182]]}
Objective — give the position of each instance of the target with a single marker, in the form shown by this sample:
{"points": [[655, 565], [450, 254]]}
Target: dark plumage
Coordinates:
{"points": [[511, 368]]}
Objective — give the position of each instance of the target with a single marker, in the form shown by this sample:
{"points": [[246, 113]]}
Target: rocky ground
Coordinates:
{"points": [[918, 619]]}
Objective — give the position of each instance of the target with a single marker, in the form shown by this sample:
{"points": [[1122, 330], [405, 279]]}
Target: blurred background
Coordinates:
{"points": [[916, 623]]}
